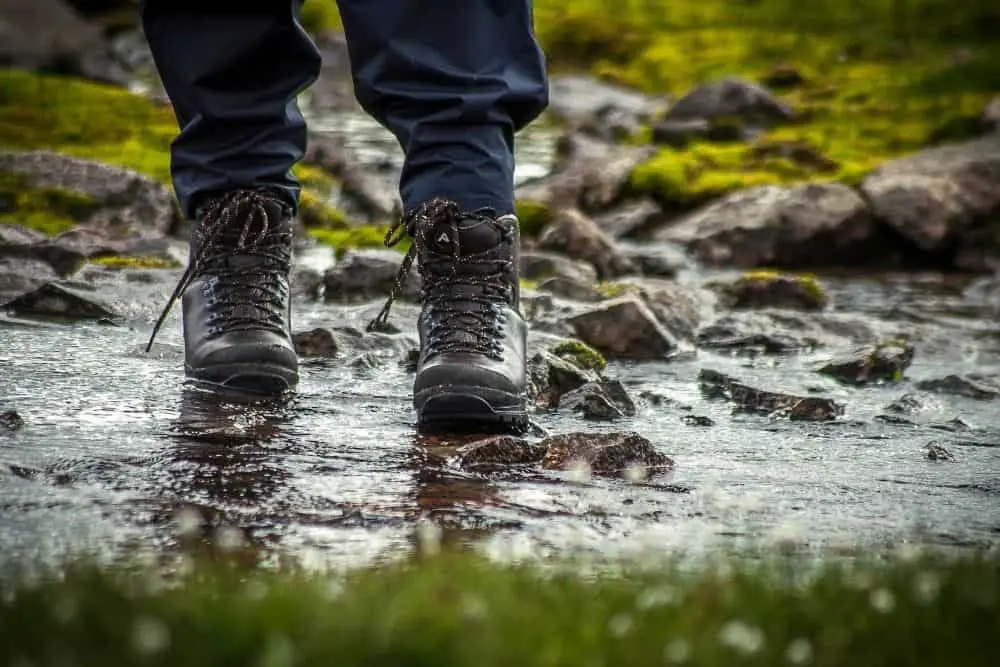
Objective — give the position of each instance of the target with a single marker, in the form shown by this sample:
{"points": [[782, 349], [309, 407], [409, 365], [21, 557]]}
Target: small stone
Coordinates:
{"points": [[61, 299], [364, 275], [624, 328], [11, 421], [316, 343], [606, 454], [698, 420], [552, 377], [499, 452], [813, 408], [936, 452], [771, 289], [572, 232], [885, 362], [605, 400], [971, 386]]}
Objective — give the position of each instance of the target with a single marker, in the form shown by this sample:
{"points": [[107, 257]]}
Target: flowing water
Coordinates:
{"points": [[117, 455]]}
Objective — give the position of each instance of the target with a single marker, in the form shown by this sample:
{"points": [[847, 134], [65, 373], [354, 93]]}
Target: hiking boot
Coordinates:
{"points": [[471, 370], [235, 295]]}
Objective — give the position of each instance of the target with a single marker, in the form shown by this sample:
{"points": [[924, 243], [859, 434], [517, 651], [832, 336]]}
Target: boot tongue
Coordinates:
{"points": [[474, 236]]}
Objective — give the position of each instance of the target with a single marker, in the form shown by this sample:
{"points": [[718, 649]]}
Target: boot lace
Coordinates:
{"points": [[246, 295], [464, 295]]}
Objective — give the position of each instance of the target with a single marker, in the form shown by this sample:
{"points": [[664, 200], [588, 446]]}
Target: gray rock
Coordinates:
{"points": [[990, 118], [364, 275], [680, 133], [22, 276], [783, 332], [732, 97], [59, 299], [807, 225], [629, 218], [576, 235], [126, 204], [973, 386], [600, 108], [624, 328], [551, 377], [935, 197], [540, 265], [605, 454], [499, 452], [812, 408], [874, 363], [604, 400], [568, 288], [315, 343], [363, 195]]}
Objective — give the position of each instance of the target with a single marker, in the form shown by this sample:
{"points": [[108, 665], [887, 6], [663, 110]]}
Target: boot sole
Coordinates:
{"points": [[470, 408], [268, 379]]}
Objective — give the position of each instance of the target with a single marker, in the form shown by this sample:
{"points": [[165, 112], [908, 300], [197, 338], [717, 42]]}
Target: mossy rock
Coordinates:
{"points": [[774, 289], [120, 262], [533, 216], [50, 211], [580, 354]]}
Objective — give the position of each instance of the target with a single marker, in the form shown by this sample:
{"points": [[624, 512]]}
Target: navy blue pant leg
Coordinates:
{"points": [[453, 80], [232, 71]]}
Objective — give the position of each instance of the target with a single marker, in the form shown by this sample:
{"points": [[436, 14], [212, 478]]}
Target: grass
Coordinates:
{"points": [[455, 610]]}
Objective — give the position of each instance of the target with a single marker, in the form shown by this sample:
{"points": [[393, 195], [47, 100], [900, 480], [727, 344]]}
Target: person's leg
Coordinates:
{"points": [[454, 81], [232, 72]]}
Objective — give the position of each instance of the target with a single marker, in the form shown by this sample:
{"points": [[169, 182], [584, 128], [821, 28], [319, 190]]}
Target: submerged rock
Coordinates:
{"points": [[812, 408], [499, 452], [61, 300], [315, 343], [811, 225], [885, 362], [367, 274], [974, 386], [782, 332], [604, 400], [624, 328], [605, 454], [576, 235], [771, 289], [907, 404], [10, 420], [936, 196]]}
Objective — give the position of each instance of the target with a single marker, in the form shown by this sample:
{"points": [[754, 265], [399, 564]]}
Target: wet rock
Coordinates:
{"points": [[656, 260], [494, 454], [732, 98], [677, 308], [604, 400], [315, 343], [679, 133], [306, 282], [551, 377], [363, 195], [657, 400], [570, 289], [367, 274], [813, 408], [123, 203], [954, 425], [581, 355], [771, 289], [535, 305], [541, 265], [588, 175], [937, 452], [624, 328], [577, 236], [885, 362], [23, 243], [10, 421], [629, 218], [605, 454], [782, 332], [907, 404], [48, 35], [22, 276], [59, 299], [973, 386], [936, 196], [895, 420], [599, 108], [990, 118], [698, 420], [769, 226]]}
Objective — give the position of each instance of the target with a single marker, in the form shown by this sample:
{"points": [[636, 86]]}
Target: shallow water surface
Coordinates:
{"points": [[116, 454]]}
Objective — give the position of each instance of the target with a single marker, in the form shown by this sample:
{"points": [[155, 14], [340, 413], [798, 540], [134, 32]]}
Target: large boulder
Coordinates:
{"points": [[769, 226]]}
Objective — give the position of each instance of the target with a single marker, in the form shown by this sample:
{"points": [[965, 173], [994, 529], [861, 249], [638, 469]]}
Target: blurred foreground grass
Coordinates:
{"points": [[459, 610]]}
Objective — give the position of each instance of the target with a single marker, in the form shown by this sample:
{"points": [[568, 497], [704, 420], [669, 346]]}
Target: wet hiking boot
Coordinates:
{"points": [[235, 295], [471, 371]]}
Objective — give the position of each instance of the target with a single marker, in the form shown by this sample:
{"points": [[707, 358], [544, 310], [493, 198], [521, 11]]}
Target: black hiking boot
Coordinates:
{"points": [[471, 371], [235, 295]]}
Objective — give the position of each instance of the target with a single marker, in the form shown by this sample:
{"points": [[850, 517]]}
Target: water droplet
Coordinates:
{"points": [[429, 538], [799, 652], [578, 471], [620, 625], [883, 601], [926, 587], [149, 636], [677, 651], [742, 637]]}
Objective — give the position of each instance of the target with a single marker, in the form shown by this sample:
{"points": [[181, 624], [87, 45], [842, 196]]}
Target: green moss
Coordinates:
{"points": [[361, 236], [533, 216], [319, 16], [118, 262], [50, 211], [527, 284], [581, 354], [766, 287], [615, 289], [460, 610]]}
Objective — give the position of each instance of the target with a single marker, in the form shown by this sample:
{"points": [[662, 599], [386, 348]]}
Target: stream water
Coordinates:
{"points": [[117, 455]]}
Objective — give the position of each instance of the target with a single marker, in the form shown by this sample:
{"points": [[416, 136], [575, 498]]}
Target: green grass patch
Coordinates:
{"points": [[459, 610], [50, 211], [118, 262], [361, 236]]}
